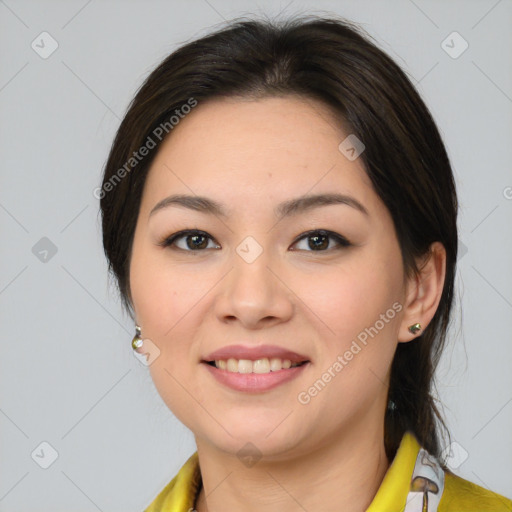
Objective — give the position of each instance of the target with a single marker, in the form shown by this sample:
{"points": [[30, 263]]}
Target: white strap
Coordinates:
{"points": [[427, 484]]}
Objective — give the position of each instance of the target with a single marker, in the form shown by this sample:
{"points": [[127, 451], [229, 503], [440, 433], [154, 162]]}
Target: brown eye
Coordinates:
{"points": [[319, 240], [194, 240]]}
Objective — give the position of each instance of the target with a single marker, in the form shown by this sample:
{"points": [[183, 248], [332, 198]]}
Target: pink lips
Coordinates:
{"points": [[254, 382], [254, 353]]}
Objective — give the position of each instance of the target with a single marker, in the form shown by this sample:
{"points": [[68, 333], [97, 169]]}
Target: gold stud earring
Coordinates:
{"points": [[414, 328], [137, 340]]}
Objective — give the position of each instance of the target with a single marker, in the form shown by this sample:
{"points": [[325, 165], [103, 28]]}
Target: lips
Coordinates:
{"points": [[254, 353], [255, 382]]}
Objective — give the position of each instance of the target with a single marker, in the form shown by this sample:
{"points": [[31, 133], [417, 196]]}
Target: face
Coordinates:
{"points": [[324, 280]]}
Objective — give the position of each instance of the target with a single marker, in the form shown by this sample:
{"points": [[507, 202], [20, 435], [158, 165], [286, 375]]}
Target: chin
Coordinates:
{"points": [[272, 440]]}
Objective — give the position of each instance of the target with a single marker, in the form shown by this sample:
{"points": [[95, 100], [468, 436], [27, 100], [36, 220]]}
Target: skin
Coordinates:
{"points": [[250, 156]]}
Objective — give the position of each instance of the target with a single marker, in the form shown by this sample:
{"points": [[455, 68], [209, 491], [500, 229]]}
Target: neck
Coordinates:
{"points": [[344, 473]]}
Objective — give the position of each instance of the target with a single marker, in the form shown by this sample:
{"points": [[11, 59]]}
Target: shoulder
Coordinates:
{"points": [[461, 495], [159, 502], [180, 494]]}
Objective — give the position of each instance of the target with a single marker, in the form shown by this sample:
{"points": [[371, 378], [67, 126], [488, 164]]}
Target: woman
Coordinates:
{"points": [[280, 214]]}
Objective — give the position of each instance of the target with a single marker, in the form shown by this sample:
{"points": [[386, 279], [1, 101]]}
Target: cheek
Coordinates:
{"points": [[169, 304], [357, 345], [351, 298], [159, 292], [358, 305]]}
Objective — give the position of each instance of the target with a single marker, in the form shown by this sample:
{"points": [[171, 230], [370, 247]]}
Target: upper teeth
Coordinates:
{"points": [[264, 365]]}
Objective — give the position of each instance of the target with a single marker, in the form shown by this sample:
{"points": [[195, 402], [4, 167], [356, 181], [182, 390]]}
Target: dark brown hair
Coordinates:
{"points": [[333, 61]]}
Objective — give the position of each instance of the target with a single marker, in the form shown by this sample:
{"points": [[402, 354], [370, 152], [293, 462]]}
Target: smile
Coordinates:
{"points": [[264, 365], [254, 376]]}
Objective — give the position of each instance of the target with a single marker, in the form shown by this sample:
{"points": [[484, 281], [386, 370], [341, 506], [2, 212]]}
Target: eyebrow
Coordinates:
{"points": [[285, 209]]}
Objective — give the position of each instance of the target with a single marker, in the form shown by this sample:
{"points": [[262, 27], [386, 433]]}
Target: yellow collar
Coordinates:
{"points": [[179, 495], [393, 491]]}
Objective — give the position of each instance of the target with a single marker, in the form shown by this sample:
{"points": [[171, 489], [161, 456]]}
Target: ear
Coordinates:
{"points": [[424, 292]]}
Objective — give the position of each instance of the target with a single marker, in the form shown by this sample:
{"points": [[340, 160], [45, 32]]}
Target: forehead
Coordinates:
{"points": [[279, 147]]}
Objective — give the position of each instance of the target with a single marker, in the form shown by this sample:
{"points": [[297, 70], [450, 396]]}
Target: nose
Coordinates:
{"points": [[254, 293]]}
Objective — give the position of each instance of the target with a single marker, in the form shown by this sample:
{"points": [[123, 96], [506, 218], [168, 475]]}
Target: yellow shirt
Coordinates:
{"points": [[403, 488]]}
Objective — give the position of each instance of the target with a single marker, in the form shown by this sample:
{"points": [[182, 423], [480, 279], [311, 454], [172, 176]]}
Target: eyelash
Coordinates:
{"points": [[169, 241]]}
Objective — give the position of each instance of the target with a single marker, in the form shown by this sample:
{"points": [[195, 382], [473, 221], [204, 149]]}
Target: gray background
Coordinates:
{"points": [[68, 376]]}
